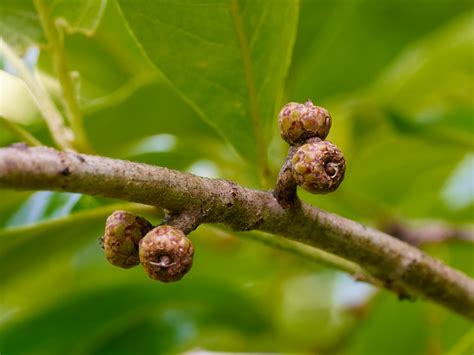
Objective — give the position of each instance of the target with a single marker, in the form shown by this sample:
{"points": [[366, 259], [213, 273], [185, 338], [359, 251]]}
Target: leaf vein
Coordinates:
{"points": [[183, 31], [262, 161]]}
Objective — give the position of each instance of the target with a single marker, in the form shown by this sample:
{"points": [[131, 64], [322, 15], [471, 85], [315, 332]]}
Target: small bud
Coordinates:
{"points": [[299, 122], [123, 231], [166, 253], [318, 167]]}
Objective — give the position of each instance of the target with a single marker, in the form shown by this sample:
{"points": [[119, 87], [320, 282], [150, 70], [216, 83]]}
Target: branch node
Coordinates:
{"points": [[186, 220], [285, 187]]}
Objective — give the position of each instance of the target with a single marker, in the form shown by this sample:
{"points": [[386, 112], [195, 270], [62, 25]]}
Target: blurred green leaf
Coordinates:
{"points": [[16, 104], [42, 206], [154, 110], [116, 315], [227, 59], [403, 327], [438, 128], [49, 238], [20, 25], [110, 63], [397, 327], [434, 75], [10, 202], [389, 169], [79, 15], [343, 45]]}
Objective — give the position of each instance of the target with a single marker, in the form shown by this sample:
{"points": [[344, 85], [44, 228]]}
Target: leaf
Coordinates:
{"points": [[79, 15], [389, 169], [42, 206], [108, 61], [452, 128], [434, 75], [102, 318], [10, 201], [228, 59], [19, 24], [458, 191], [50, 238], [159, 111], [21, 27], [16, 104], [403, 327], [343, 45]]}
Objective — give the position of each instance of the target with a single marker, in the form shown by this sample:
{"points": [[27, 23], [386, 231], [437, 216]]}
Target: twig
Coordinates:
{"points": [[314, 255], [384, 257], [285, 187], [71, 104], [186, 220], [20, 132], [428, 233], [61, 134]]}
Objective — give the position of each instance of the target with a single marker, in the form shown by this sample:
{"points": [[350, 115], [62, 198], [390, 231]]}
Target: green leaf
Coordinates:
{"points": [[228, 59], [136, 118], [452, 128], [50, 238], [21, 28], [343, 45], [434, 75], [79, 15], [19, 24], [107, 318], [10, 201], [404, 327], [110, 63], [404, 162], [42, 206], [16, 104]]}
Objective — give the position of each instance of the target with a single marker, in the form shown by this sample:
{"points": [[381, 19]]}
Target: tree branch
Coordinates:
{"points": [[396, 263], [433, 232]]}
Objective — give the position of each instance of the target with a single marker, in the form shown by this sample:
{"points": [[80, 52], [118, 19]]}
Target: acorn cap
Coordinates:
{"points": [[123, 230], [166, 253], [318, 167], [299, 122]]}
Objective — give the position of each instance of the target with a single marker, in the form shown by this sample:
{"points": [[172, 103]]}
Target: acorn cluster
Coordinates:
{"points": [[165, 252], [318, 166]]}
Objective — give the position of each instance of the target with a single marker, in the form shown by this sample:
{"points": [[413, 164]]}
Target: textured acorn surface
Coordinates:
{"points": [[166, 253], [299, 122], [318, 167], [123, 230]]}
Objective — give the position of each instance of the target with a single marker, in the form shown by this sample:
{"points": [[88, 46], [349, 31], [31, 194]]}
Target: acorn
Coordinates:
{"points": [[123, 231], [166, 253], [300, 122], [318, 166]]}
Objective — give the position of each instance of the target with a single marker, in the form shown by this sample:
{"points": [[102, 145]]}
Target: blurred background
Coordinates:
{"points": [[397, 77]]}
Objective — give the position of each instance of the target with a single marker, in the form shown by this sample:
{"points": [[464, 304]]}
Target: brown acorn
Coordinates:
{"points": [[166, 253], [123, 230], [299, 122], [318, 167]]}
